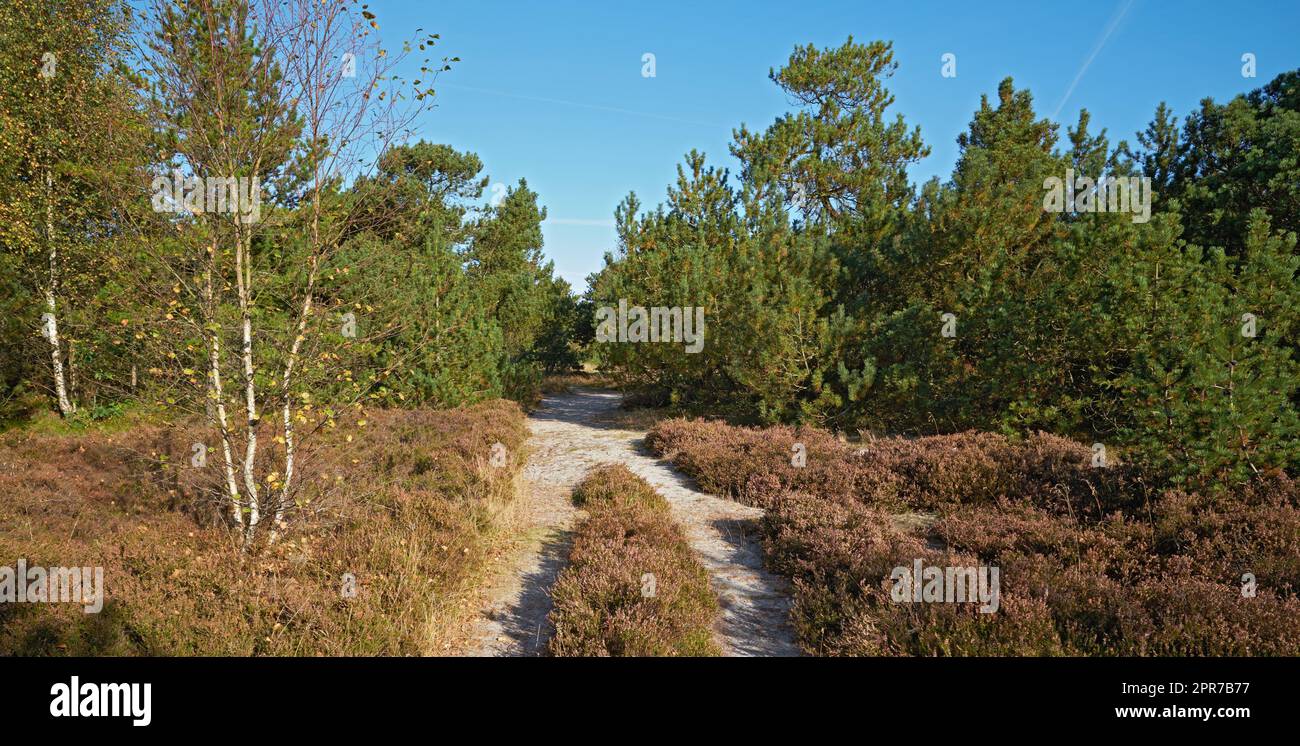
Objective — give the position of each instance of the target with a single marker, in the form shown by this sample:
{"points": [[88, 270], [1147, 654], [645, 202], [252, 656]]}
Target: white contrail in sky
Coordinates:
{"points": [[1096, 50]]}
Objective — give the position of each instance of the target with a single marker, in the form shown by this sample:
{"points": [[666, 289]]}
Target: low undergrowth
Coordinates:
{"points": [[1092, 560], [393, 528], [633, 586]]}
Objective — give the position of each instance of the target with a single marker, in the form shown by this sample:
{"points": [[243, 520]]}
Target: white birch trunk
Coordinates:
{"points": [[223, 426], [66, 407], [217, 405], [243, 264], [300, 333]]}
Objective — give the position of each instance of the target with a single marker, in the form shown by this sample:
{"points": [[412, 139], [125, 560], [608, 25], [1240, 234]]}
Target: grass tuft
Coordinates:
{"points": [[633, 587]]}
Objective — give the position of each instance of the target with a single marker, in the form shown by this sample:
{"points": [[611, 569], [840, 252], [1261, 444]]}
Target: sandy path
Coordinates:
{"points": [[570, 434]]}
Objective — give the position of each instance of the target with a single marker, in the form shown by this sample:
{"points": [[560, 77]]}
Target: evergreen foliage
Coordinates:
{"points": [[837, 294]]}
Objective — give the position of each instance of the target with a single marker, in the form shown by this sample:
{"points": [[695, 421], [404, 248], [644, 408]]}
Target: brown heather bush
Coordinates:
{"points": [[408, 505], [1093, 561], [723, 459], [600, 609]]}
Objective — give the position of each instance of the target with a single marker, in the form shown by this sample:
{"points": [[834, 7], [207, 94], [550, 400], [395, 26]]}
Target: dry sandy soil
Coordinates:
{"points": [[571, 433]]}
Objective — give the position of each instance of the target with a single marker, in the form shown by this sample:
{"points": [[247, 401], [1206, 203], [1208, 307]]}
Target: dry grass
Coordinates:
{"points": [[1093, 561], [604, 603], [561, 383], [408, 506]]}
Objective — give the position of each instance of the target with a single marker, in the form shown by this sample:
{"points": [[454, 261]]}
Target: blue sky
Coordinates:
{"points": [[553, 92]]}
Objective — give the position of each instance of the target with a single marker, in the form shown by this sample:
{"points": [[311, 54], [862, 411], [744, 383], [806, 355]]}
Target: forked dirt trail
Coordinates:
{"points": [[570, 434]]}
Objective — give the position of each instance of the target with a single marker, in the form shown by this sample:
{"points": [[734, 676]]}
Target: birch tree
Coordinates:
{"points": [[221, 108], [65, 123], [296, 98]]}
